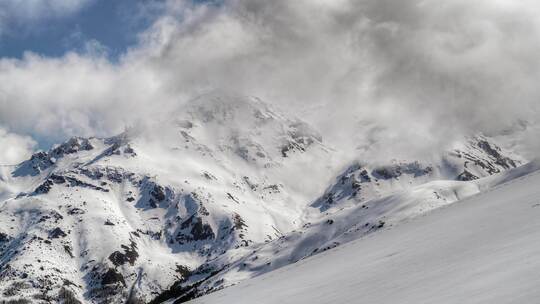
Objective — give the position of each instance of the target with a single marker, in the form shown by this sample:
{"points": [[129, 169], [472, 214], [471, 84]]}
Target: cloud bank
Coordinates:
{"points": [[401, 76], [14, 148]]}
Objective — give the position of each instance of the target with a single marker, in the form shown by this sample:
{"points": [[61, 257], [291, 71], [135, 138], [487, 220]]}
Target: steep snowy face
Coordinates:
{"points": [[475, 158], [223, 189], [247, 127], [125, 217], [453, 254], [366, 198]]}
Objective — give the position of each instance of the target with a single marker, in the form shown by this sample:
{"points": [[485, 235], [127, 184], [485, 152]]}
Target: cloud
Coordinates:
{"points": [[407, 77], [14, 148], [38, 9], [25, 13], [74, 95], [424, 73]]}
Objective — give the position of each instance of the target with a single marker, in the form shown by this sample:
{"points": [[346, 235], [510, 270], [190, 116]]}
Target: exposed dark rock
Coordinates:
{"points": [[184, 271], [395, 171], [233, 198], [73, 145], [364, 176], [93, 173], [203, 210], [492, 162], [74, 182], [319, 250], [209, 176], [272, 188], [53, 215], [387, 172], [286, 148], [39, 162], [116, 176], [57, 179], [4, 237], [158, 193], [494, 152], [57, 233], [14, 288], [329, 198], [112, 277], [69, 250], [238, 222], [117, 258], [252, 186], [466, 176], [129, 150], [416, 169], [130, 255], [183, 293], [155, 235], [197, 231], [74, 211], [45, 187]]}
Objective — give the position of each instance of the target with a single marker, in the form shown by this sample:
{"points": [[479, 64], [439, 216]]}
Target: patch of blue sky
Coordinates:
{"points": [[109, 26]]}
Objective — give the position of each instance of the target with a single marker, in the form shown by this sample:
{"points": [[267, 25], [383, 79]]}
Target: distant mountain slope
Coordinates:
{"points": [[125, 217], [482, 250], [224, 189], [364, 199]]}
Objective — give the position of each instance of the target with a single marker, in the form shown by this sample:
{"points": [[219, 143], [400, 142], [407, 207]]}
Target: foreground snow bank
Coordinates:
{"points": [[481, 250]]}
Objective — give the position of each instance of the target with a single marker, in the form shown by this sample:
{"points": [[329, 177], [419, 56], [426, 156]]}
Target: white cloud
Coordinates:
{"points": [[38, 9], [14, 148], [420, 72], [28, 13]]}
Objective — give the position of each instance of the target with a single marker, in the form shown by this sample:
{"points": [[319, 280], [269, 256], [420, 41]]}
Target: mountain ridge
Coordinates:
{"points": [[223, 190]]}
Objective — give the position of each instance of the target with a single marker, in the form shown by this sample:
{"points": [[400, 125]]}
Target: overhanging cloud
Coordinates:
{"points": [[416, 73], [14, 148]]}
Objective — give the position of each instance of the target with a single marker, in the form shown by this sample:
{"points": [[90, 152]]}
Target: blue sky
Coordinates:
{"points": [[52, 28], [113, 23]]}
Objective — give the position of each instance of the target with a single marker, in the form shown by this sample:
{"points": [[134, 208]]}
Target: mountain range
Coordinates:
{"points": [[225, 189]]}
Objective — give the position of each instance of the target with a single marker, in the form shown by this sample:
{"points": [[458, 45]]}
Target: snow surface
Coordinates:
{"points": [[225, 189], [483, 249]]}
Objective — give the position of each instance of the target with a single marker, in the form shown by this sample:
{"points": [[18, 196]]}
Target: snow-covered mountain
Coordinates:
{"points": [[224, 189], [482, 250]]}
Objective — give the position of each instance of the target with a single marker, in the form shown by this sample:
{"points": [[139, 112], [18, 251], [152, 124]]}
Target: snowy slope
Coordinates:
{"points": [[363, 199], [482, 250], [125, 217], [224, 189]]}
